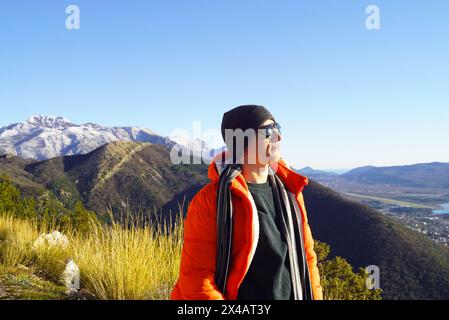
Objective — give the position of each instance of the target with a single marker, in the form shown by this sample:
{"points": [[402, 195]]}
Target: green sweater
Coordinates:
{"points": [[268, 277]]}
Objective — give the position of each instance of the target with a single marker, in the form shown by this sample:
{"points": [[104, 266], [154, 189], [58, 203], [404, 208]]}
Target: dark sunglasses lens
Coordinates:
{"points": [[278, 128], [270, 131]]}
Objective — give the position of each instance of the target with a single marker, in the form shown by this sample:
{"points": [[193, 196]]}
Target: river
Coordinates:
{"points": [[445, 209]]}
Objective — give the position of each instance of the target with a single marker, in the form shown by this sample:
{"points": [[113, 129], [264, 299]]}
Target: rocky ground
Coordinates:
{"points": [[21, 284]]}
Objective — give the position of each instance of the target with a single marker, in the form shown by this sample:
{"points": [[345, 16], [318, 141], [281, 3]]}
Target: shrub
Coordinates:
{"points": [[339, 281]]}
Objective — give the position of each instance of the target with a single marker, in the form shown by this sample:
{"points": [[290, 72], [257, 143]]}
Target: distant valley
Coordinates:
{"points": [[417, 195]]}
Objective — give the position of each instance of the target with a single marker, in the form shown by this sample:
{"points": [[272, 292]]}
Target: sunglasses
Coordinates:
{"points": [[270, 129]]}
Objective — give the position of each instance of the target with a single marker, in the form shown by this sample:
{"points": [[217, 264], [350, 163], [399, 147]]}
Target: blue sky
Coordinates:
{"points": [[345, 96]]}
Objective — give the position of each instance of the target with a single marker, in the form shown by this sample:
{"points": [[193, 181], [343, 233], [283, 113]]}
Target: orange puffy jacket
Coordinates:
{"points": [[197, 270]]}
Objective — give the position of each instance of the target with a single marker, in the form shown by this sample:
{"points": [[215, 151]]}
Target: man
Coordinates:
{"points": [[246, 234]]}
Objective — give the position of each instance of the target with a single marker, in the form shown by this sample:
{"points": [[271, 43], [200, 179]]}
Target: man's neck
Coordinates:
{"points": [[255, 173]]}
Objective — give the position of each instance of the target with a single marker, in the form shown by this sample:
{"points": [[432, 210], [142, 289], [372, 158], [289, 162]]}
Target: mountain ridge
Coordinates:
{"points": [[117, 173], [433, 174], [43, 137]]}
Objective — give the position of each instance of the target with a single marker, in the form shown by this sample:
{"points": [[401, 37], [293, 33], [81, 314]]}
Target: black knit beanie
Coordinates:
{"points": [[245, 117]]}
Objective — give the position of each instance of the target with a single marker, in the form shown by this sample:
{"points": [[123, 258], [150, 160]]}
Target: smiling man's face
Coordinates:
{"points": [[267, 149]]}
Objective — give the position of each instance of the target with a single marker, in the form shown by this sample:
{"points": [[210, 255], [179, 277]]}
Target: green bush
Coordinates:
{"points": [[44, 209], [339, 281]]}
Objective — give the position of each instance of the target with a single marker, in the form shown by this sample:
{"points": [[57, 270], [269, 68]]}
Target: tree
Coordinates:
{"points": [[339, 281], [45, 208], [81, 219], [9, 196]]}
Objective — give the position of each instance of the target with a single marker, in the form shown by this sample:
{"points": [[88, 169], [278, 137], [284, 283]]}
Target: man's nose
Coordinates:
{"points": [[279, 136]]}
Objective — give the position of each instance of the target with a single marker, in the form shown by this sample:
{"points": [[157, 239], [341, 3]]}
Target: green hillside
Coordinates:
{"points": [[120, 175], [411, 265]]}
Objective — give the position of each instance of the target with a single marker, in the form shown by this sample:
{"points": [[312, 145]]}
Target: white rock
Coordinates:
{"points": [[55, 238], [71, 277]]}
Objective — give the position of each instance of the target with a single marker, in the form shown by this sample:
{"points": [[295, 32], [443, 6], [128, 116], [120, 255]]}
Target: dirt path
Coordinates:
{"points": [[103, 177]]}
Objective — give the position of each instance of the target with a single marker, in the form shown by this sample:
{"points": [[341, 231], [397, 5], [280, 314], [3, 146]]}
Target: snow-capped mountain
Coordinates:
{"points": [[44, 137]]}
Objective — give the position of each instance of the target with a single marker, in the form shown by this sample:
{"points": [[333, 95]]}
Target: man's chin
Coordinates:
{"points": [[275, 158]]}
